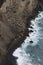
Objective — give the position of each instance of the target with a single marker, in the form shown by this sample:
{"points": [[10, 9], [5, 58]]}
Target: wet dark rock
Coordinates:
{"points": [[31, 41], [31, 27], [30, 31], [11, 60]]}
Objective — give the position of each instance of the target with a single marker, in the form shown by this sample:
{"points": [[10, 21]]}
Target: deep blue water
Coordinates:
{"points": [[31, 53]]}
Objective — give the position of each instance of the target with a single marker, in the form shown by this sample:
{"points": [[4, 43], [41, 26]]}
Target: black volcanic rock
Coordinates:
{"points": [[31, 41], [30, 31], [11, 60]]}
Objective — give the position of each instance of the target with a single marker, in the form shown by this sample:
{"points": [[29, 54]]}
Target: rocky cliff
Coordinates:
{"points": [[15, 16]]}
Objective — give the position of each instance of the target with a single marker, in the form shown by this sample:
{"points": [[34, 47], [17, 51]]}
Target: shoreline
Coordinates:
{"points": [[14, 22]]}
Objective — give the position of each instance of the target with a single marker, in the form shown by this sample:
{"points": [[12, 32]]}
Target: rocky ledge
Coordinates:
{"points": [[15, 16]]}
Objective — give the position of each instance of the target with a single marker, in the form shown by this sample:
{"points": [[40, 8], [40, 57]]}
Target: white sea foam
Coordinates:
{"points": [[23, 57]]}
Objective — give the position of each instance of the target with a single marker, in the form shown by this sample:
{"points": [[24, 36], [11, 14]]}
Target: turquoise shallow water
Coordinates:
{"points": [[31, 53]]}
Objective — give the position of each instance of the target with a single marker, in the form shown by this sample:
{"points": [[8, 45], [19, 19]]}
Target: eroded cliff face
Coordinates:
{"points": [[14, 17]]}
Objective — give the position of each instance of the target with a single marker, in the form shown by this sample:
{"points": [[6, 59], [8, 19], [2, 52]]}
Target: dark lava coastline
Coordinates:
{"points": [[14, 20]]}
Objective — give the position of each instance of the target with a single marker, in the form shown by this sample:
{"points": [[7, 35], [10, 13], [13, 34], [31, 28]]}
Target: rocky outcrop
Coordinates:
{"points": [[15, 16]]}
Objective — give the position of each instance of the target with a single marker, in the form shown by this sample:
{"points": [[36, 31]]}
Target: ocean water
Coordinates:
{"points": [[31, 50]]}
